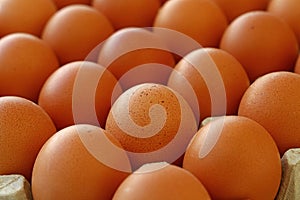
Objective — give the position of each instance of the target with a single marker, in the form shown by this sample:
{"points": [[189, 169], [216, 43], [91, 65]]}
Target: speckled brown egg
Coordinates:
{"points": [[152, 122], [273, 100], [25, 127]]}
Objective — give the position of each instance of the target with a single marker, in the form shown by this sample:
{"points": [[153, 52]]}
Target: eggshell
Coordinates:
{"points": [[161, 181], [128, 13], [201, 20], [297, 65], [235, 158], [273, 100], [152, 122], [135, 56], [25, 127], [235, 8], [79, 92], [26, 62], [22, 16], [215, 77], [62, 3], [261, 42], [79, 162], [75, 30], [288, 10]]}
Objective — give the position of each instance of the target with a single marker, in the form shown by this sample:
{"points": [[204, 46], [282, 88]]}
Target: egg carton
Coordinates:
{"points": [[290, 182], [16, 187]]}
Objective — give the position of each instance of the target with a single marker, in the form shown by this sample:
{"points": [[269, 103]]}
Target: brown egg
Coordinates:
{"points": [[79, 92], [215, 77], [261, 42], [75, 30], [297, 65], [288, 10], [235, 8], [201, 20], [79, 162], [161, 181], [235, 158], [136, 55], [25, 63], [128, 13], [28, 16], [273, 100], [62, 3], [152, 122], [25, 127]]}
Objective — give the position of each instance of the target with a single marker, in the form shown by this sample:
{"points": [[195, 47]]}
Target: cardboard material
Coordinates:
{"points": [[290, 182], [14, 187]]}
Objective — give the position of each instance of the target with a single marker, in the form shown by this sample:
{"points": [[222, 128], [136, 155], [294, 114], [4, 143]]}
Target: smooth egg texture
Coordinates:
{"points": [[261, 42], [235, 158], [79, 92], [75, 30], [26, 62], [128, 13], [235, 8], [202, 20], [215, 77], [161, 181], [135, 56], [288, 10], [67, 167], [22, 16]]}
